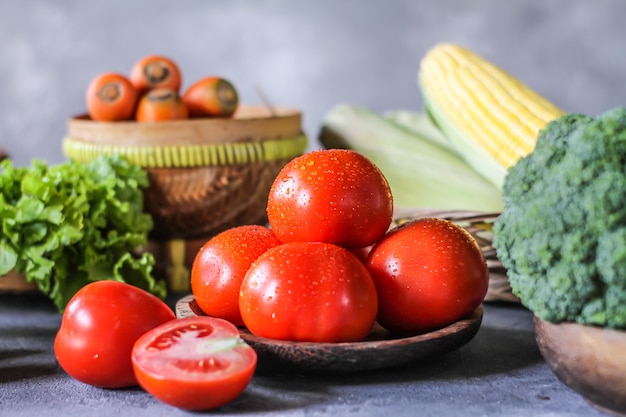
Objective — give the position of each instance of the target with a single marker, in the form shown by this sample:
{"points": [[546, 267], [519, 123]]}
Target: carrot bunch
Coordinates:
{"points": [[151, 93]]}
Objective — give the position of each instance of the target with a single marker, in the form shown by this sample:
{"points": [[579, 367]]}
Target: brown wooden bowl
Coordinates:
{"points": [[205, 175], [379, 350], [590, 360]]}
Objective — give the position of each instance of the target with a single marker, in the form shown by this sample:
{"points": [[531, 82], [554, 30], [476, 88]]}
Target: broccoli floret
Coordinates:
{"points": [[562, 233]]}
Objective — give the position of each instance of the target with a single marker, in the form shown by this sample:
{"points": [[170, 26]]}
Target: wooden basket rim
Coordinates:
{"points": [[249, 123], [192, 156]]}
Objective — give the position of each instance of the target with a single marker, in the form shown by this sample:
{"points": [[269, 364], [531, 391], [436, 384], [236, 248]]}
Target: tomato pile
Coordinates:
{"points": [[152, 93], [325, 269]]}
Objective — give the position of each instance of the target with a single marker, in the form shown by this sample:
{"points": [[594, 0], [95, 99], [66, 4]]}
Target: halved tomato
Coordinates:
{"points": [[195, 363]]}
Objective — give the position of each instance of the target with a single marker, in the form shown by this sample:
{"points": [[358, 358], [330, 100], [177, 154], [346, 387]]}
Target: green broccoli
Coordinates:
{"points": [[562, 233]]}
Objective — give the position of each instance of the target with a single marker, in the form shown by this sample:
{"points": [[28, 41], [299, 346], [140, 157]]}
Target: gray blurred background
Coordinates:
{"points": [[307, 54]]}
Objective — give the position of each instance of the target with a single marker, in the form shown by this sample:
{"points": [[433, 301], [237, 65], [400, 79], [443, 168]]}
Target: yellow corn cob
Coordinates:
{"points": [[478, 105]]}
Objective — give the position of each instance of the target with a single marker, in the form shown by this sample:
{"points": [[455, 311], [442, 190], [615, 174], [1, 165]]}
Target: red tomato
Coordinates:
{"points": [[428, 273], [332, 195], [221, 264], [195, 363], [111, 97], [100, 324], [308, 291]]}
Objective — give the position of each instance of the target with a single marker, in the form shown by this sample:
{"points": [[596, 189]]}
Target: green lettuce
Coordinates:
{"points": [[66, 225]]}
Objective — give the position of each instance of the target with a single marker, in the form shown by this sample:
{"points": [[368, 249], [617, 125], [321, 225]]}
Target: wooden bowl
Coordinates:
{"points": [[379, 350], [205, 175], [590, 360]]}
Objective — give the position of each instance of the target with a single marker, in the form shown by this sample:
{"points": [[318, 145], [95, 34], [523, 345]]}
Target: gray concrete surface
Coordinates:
{"points": [[306, 54], [498, 373]]}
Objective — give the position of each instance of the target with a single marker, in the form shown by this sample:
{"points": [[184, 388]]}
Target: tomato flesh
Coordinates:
{"points": [[195, 363]]}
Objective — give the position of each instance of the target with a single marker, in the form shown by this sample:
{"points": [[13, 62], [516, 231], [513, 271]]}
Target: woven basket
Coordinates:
{"points": [[480, 226], [205, 175]]}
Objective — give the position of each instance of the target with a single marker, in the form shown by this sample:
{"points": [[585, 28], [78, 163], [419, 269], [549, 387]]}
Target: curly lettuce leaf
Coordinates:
{"points": [[67, 225]]}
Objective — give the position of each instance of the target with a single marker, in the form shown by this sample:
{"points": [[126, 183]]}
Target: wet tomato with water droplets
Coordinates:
{"points": [[309, 292], [428, 273], [220, 265], [194, 363], [331, 195]]}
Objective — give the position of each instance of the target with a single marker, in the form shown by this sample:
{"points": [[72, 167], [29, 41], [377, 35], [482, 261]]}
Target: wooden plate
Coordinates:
{"points": [[380, 350]]}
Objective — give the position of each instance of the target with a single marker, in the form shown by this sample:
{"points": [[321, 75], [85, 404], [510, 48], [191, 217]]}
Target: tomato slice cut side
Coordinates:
{"points": [[195, 363]]}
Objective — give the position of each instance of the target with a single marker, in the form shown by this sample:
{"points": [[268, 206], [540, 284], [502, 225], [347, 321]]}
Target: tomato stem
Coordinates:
{"points": [[219, 345]]}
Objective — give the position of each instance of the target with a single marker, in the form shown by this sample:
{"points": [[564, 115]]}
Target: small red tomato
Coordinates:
{"points": [[221, 264], [155, 71], [331, 195], [111, 97], [309, 292], [428, 273], [211, 97], [195, 363], [100, 324], [161, 105]]}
